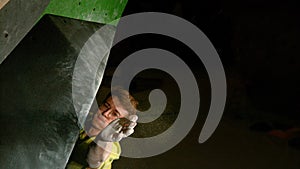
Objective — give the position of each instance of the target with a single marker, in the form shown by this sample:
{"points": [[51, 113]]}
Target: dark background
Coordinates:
{"points": [[257, 42]]}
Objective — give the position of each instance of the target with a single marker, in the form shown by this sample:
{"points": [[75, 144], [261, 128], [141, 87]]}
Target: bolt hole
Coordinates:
{"points": [[79, 3], [65, 21], [94, 9], [105, 14], [5, 34]]}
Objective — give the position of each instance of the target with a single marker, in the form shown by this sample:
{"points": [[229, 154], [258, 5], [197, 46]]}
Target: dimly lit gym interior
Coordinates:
{"points": [[257, 42]]}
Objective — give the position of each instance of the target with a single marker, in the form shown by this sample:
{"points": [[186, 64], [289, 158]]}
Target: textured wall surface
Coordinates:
{"points": [[17, 17], [37, 111]]}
